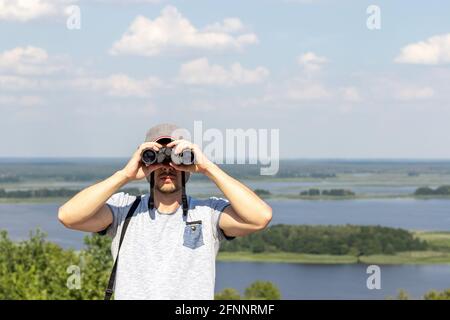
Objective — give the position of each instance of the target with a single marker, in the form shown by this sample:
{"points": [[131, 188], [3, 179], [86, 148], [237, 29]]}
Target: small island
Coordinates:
{"points": [[341, 244], [442, 191], [332, 193]]}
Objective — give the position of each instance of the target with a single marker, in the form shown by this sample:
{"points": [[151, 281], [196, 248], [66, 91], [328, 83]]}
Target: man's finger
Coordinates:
{"points": [[151, 145], [173, 143], [181, 147]]}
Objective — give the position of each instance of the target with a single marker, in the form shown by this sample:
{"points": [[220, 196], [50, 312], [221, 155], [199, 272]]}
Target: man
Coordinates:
{"points": [[166, 253]]}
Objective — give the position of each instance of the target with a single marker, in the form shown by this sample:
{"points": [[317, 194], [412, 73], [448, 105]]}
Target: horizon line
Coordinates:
{"points": [[280, 159]]}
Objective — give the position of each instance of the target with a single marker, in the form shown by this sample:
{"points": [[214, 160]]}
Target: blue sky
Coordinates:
{"points": [[311, 69]]}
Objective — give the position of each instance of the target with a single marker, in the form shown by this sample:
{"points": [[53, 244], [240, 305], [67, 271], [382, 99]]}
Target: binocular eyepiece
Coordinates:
{"points": [[166, 155]]}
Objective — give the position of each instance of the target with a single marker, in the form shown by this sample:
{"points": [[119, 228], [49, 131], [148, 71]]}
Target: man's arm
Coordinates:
{"points": [[87, 210], [248, 212]]}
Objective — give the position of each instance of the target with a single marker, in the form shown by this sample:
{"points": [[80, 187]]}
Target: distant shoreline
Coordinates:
{"points": [[43, 200], [409, 257], [438, 254]]}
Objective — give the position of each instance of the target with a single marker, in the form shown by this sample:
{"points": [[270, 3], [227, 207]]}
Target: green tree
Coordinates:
{"points": [[262, 192], [37, 269], [262, 290], [403, 295], [228, 294], [436, 295]]}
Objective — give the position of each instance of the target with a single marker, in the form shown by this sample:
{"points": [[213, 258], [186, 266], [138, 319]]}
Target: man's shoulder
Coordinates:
{"points": [[122, 199], [211, 203]]}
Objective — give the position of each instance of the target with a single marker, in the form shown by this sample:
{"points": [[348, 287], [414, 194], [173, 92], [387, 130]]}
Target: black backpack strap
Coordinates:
{"points": [[112, 278], [183, 194], [151, 198]]}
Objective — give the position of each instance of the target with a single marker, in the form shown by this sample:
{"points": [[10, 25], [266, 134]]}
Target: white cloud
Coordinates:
{"points": [[200, 72], [415, 93], [173, 32], [127, 1], [23, 101], [26, 10], [29, 61], [311, 62], [308, 92], [119, 85], [434, 50], [228, 25], [351, 94], [15, 83]]}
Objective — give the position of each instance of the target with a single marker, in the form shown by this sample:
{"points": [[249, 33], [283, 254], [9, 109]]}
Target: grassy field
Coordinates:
{"points": [[33, 200], [286, 257], [439, 254], [439, 240], [414, 257]]}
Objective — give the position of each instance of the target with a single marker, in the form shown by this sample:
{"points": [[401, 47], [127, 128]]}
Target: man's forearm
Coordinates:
{"points": [[85, 203], [250, 208]]}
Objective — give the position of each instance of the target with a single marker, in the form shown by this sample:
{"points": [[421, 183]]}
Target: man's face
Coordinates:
{"points": [[167, 179]]}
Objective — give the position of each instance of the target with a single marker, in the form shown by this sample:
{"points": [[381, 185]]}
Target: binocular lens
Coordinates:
{"points": [[149, 156], [187, 157], [166, 155]]}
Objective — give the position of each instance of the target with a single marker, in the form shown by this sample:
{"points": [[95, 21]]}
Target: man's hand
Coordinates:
{"points": [[248, 213], [201, 162], [135, 168]]}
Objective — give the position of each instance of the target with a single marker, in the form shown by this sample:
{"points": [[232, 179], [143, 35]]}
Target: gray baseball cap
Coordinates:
{"points": [[165, 131]]}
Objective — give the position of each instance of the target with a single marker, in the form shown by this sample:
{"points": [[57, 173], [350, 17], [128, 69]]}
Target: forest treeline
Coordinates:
{"points": [[50, 193], [335, 240], [427, 191]]}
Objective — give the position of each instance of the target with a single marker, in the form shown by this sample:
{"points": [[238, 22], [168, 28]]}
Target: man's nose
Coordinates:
{"points": [[167, 169]]}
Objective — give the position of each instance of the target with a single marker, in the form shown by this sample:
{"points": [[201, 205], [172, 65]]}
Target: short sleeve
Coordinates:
{"points": [[218, 205], [119, 204]]}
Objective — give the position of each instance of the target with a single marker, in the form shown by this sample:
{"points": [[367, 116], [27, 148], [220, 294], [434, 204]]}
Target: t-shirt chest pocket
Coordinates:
{"points": [[193, 234]]}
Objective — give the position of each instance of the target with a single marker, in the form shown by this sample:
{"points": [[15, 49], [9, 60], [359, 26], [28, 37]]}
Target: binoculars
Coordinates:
{"points": [[166, 155]]}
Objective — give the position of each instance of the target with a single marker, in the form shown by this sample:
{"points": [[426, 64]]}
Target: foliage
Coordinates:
{"points": [[262, 192], [430, 295], [227, 294], [262, 290], [336, 240], [436, 295], [258, 290], [403, 295], [310, 192], [36, 269], [427, 191], [329, 193], [45, 193]]}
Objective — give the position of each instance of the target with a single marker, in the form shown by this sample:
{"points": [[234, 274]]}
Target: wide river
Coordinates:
{"points": [[295, 281]]}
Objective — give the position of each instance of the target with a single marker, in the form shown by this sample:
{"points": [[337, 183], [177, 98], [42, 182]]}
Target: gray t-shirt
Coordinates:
{"points": [[166, 256]]}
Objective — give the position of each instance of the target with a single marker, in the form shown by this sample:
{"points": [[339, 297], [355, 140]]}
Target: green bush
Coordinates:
{"points": [[262, 192], [262, 290], [436, 295], [36, 269], [258, 290], [427, 191], [228, 294]]}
